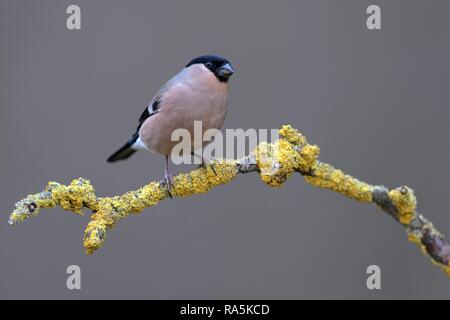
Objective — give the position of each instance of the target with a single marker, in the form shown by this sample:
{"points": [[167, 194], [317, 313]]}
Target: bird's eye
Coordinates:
{"points": [[208, 65]]}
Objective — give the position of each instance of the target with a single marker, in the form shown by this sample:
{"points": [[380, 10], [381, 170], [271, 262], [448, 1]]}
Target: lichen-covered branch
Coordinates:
{"points": [[275, 162]]}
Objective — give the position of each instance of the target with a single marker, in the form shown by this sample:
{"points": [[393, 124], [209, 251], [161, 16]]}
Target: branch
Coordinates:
{"points": [[275, 163]]}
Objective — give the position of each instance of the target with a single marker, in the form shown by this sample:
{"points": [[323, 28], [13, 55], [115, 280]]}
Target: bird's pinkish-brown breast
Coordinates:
{"points": [[195, 94]]}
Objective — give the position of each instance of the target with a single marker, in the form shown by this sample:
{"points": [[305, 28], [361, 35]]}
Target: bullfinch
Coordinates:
{"points": [[199, 92]]}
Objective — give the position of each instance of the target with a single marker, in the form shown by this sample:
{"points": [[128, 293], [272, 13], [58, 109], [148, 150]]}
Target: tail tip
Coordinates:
{"points": [[123, 153]]}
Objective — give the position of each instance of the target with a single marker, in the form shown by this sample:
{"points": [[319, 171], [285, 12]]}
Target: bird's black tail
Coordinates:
{"points": [[125, 152]]}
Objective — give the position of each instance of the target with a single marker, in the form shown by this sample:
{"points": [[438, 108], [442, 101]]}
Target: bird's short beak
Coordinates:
{"points": [[226, 71]]}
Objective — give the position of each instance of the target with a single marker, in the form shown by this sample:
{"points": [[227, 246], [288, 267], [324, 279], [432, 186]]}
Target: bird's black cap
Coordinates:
{"points": [[217, 60]]}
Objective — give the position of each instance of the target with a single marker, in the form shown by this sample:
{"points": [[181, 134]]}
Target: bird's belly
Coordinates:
{"points": [[163, 131]]}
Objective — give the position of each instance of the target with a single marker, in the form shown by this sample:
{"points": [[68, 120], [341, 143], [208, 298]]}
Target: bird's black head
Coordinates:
{"points": [[221, 67]]}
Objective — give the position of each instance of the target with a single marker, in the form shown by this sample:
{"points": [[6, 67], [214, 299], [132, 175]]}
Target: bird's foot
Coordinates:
{"points": [[169, 183], [205, 163]]}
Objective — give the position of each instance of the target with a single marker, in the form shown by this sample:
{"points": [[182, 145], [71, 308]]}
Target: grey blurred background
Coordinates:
{"points": [[376, 102]]}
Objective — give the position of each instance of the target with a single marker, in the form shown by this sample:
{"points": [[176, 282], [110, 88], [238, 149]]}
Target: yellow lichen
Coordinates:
{"points": [[80, 193], [412, 237], [308, 156], [326, 176], [446, 269], [204, 179], [405, 201], [292, 135], [149, 195], [277, 161], [95, 233], [112, 209]]}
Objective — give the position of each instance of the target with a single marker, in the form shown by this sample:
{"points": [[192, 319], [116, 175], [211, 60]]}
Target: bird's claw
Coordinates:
{"points": [[169, 183], [204, 165]]}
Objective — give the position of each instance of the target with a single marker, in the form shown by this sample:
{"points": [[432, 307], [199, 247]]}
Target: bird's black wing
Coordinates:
{"points": [[147, 113]]}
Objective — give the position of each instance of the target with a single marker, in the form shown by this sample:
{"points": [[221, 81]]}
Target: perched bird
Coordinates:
{"points": [[199, 92]]}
